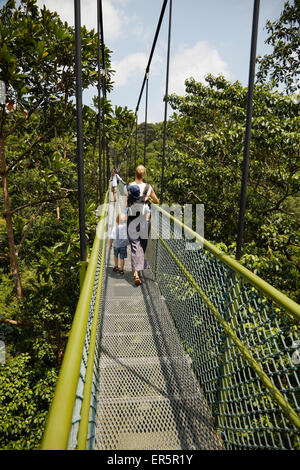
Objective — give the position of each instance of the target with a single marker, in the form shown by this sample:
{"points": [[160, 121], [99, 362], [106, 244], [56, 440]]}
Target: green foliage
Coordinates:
{"points": [[24, 400], [283, 64], [204, 165], [37, 55], [39, 127], [204, 159]]}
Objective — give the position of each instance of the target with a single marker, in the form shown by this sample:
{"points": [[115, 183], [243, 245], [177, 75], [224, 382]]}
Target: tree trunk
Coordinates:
{"points": [[9, 225]]}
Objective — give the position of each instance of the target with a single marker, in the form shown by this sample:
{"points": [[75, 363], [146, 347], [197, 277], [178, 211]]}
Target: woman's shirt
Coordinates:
{"points": [[115, 179], [141, 186]]}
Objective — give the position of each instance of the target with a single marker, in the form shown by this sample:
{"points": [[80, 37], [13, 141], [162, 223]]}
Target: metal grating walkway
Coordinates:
{"points": [[148, 396]]}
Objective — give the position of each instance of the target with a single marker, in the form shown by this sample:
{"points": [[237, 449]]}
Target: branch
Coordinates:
{"points": [[29, 149], [2, 114], [291, 259], [35, 215], [52, 199], [277, 203], [11, 322], [292, 214], [69, 190], [21, 121], [31, 111], [192, 192]]}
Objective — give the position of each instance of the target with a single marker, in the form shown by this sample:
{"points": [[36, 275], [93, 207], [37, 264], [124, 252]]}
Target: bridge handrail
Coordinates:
{"points": [[270, 291], [57, 432], [230, 320]]}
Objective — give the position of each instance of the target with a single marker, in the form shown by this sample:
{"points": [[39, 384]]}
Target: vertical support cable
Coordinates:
{"points": [[107, 162], [152, 49], [105, 145], [99, 104], [136, 129], [117, 159], [146, 112], [166, 106], [130, 150], [150, 57], [248, 129], [125, 162], [80, 166], [103, 150]]}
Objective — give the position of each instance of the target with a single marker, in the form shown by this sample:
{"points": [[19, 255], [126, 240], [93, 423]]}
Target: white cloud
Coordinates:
{"points": [[129, 67], [114, 18], [134, 66], [196, 62]]}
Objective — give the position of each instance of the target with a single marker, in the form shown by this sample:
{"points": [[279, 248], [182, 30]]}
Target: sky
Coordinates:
{"points": [[208, 36]]}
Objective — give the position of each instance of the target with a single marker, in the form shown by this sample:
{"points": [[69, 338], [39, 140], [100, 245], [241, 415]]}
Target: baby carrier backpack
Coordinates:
{"points": [[134, 197]]}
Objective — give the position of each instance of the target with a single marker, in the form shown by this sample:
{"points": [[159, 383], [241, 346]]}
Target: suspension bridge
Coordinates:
{"points": [[203, 355]]}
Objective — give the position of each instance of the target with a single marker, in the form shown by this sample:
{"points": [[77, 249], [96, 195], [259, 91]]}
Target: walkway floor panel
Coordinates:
{"points": [[148, 395]]}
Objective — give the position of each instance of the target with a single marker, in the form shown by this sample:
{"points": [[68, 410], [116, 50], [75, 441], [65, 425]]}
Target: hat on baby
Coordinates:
{"points": [[134, 191]]}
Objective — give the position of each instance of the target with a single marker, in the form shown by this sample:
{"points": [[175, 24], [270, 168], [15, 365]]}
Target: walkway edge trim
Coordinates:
{"points": [[86, 402], [56, 435]]}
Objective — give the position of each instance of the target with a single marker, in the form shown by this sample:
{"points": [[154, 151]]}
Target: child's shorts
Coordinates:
{"points": [[122, 251]]}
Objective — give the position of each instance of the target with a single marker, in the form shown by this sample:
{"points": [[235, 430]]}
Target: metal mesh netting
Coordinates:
{"points": [[246, 414], [148, 396], [81, 380]]}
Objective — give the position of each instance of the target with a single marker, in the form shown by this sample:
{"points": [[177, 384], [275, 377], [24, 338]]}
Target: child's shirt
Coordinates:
{"points": [[119, 235]]}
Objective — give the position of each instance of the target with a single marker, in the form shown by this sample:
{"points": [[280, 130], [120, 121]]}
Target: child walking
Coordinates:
{"points": [[119, 241]]}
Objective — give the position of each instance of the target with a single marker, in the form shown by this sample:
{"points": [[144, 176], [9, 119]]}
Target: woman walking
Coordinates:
{"points": [[114, 183], [138, 193]]}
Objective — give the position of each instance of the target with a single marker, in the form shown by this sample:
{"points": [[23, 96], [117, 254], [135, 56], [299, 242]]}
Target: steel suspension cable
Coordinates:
{"points": [[99, 104], [79, 122], [126, 162], [104, 95], [151, 53], [146, 113], [136, 128], [166, 107], [152, 50], [248, 129], [130, 150]]}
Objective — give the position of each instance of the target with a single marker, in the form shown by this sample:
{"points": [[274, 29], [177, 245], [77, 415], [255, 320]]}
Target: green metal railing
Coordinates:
{"points": [[240, 333], [73, 408]]}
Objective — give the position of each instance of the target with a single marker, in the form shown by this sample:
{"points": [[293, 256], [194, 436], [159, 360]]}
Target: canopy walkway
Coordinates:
{"points": [[149, 396], [201, 356]]}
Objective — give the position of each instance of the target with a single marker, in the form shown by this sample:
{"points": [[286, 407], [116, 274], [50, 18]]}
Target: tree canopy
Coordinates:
{"points": [[282, 65], [204, 165], [39, 239]]}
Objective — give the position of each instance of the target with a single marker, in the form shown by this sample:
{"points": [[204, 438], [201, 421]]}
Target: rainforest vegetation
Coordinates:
{"points": [[39, 238]]}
